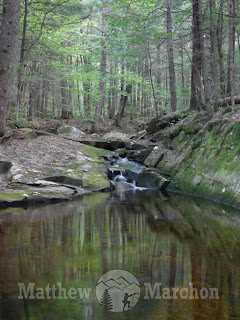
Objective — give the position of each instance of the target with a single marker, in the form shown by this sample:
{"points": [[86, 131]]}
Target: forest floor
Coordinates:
{"points": [[105, 126]]}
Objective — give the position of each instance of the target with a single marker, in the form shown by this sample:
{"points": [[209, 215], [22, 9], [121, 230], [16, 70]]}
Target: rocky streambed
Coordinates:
{"points": [[181, 152], [40, 167]]}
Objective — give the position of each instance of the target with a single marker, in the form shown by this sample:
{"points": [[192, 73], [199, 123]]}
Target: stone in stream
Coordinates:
{"points": [[148, 178], [139, 155], [113, 172]]}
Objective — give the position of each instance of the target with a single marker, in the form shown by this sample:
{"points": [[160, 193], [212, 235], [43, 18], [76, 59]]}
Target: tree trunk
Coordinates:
{"points": [[231, 49], [123, 102], [159, 77], [214, 53], [14, 60], [151, 80], [172, 75], [64, 95], [228, 100], [196, 102], [22, 53], [205, 65], [114, 94], [103, 69], [220, 49], [10, 14]]}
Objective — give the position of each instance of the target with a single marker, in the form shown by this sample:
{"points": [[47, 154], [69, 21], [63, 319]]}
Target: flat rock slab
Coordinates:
{"points": [[51, 163]]}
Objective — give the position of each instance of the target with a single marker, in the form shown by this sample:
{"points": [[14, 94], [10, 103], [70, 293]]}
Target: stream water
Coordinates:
{"points": [[172, 240]]}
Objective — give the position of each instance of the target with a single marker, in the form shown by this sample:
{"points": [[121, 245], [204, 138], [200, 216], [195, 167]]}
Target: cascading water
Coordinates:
{"points": [[120, 182]]}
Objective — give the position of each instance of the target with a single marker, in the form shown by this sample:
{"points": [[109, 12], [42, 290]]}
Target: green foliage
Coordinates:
{"points": [[227, 109], [21, 123], [214, 125], [236, 132]]}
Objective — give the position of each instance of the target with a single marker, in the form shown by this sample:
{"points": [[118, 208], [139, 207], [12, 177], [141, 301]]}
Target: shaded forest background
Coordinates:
{"points": [[112, 58]]}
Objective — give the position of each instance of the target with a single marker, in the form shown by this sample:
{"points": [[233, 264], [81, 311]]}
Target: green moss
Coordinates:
{"points": [[228, 109], [94, 153], [11, 195], [96, 180], [65, 130], [236, 132], [21, 123], [174, 132], [191, 128], [214, 125]]}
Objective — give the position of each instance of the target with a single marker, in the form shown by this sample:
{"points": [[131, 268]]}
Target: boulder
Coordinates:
{"points": [[116, 136], [140, 135], [27, 133], [155, 157], [135, 146], [70, 132], [139, 155], [148, 178], [65, 180], [107, 145]]}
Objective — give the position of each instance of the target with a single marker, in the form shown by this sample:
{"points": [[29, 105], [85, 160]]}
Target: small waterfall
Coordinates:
{"points": [[120, 178], [120, 182]]}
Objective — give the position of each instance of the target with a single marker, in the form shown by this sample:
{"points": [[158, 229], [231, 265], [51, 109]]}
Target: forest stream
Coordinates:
{"points": [[165, 238]]}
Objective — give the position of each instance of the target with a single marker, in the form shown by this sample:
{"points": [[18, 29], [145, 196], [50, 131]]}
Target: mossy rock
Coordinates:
{"points": [[95, 180], [174, 131], [155, 157], [215, 125], [70, 132], [27, 134], [191, 127]]}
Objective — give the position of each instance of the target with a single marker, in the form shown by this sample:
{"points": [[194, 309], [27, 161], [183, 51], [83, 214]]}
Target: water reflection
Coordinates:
{"points": [[173, 240]]}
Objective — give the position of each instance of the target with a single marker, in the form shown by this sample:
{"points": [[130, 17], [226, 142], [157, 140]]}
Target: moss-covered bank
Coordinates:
{"points": [[201, 157]]}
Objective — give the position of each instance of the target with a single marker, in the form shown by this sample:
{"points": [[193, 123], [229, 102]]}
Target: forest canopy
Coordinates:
{"points": [[112, 58]]}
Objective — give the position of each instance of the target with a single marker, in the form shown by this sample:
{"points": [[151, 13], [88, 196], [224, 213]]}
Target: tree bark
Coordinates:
{"points": [[14, 60], [159, 77], [172, 75], [220, 49], [214, 53], [231, 49], [10, 13], [114, 94], [196, 102], [123, 102], [64, 95], [22, 54], [103, 69], [152, 82], [228, 100], [205, 65]]}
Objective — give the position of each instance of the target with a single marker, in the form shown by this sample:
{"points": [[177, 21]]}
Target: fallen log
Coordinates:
{"points": [[160, 123], [227, 101]]}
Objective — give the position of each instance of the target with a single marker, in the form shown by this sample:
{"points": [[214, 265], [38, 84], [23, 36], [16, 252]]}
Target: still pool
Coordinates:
{"points": [[164, 241]]}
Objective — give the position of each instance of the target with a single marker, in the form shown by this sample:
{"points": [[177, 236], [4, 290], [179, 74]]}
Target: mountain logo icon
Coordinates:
{"points": [[118, 291]]}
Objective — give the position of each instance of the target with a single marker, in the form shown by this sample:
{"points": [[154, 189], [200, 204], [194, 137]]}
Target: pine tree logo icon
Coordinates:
{"points": [[118, 291], [106, 301]]}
